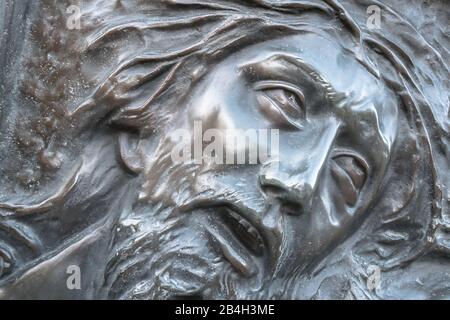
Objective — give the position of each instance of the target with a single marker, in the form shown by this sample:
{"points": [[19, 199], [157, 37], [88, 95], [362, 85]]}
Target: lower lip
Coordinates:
{"points": [[235, 245]]}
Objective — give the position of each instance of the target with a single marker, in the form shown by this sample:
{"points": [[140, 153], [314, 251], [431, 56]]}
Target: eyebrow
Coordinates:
{"points": [[330, 91]]}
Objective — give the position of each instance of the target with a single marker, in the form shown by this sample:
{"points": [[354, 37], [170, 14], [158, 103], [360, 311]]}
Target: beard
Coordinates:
{"points": [[164, 248], [165, 255], [169, 247]]}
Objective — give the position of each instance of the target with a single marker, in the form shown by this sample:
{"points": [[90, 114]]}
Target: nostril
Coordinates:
{"points": [[273, 191], [291, 208], [287, 207]]}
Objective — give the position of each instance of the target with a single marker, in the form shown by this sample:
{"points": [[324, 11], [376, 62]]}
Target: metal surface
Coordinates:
{"points": [[351, 204]]}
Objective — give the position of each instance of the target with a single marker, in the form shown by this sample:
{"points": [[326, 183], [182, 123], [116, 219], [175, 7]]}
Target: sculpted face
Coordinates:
{"points": [[337, 125], [96, 186]]}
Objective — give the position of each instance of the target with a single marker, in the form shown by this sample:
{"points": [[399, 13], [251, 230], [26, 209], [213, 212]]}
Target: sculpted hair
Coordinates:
{"points": [[132, 63]]}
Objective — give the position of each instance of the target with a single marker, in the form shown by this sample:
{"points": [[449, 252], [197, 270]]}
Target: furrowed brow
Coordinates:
{"points": [[270, 64]]}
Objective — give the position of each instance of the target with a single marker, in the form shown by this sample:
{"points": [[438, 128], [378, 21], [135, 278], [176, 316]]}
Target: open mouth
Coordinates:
{"points": [[237, 238], [244, 231]]}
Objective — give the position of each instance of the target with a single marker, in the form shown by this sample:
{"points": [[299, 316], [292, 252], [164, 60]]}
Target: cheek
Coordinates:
{"points": [[228, 107], [312, 235], [365, 133], [371, 129]]}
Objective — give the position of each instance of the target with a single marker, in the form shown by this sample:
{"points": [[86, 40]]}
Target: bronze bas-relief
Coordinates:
{"points": [[359, 188]]}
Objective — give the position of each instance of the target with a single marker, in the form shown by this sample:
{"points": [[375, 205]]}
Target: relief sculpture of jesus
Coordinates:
{"points": [[224, 149]]}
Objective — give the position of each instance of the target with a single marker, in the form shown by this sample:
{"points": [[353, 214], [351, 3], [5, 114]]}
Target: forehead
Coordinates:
{"points": [[367, 100], [328, 57]]}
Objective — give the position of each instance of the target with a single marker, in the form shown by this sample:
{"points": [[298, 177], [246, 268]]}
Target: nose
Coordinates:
{"points": [[294, 179]]}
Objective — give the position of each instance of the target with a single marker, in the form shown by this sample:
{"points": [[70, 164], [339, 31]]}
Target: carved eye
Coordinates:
{"points": [[350, 174], [6, 262], [282, 103]]}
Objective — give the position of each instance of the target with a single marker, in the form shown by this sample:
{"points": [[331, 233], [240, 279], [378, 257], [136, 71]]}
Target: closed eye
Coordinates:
{"points": [[282, 103], [6, 262], [350, 173]]}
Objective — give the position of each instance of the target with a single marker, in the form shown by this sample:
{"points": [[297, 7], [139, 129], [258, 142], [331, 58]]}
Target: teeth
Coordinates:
{"points": [[253, 232], [245, 224], [245, 232], [234, 215]]}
